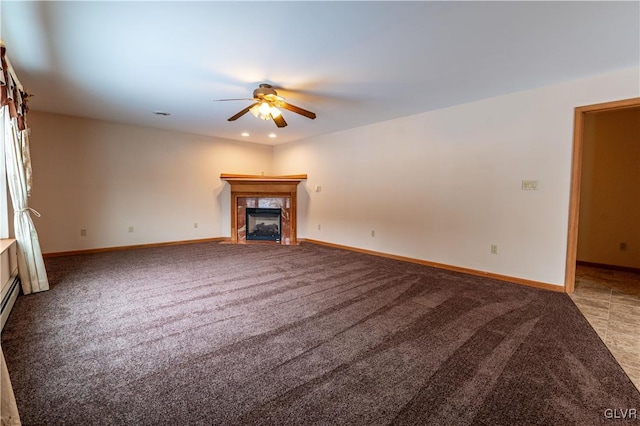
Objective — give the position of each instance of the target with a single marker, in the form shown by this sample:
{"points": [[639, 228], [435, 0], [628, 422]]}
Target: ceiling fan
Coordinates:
{"points": [[266, 104]]}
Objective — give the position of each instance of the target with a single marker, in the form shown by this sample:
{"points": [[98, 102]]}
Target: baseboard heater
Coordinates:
{"points": [[9, 278], [8, 299]]}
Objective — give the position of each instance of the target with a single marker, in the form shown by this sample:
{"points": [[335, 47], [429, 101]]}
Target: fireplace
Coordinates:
{"points": [[268, 194], [263, 224]]}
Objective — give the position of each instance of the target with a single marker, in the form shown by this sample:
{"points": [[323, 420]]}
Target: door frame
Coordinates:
{"points": [[576, 176]]}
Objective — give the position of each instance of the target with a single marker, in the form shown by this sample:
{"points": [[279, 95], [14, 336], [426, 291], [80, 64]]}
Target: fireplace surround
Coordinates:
{"points": [[263, 192]]}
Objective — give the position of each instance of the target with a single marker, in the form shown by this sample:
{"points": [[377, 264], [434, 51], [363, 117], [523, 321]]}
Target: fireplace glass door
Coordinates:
{"points": [[263, 224]]}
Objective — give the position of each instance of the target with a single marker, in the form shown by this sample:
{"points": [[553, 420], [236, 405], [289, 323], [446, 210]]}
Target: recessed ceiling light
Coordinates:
{"points": [[272, 135], [245, 134], [163, 113]]}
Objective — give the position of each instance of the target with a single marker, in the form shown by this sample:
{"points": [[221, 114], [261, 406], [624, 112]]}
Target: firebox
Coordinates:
{"points": [[263, 224]]}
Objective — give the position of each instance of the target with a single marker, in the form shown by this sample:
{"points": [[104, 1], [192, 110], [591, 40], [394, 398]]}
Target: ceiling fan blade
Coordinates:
{"points": [[279, 120], [236, 99], [297, 110], [241, 113]]}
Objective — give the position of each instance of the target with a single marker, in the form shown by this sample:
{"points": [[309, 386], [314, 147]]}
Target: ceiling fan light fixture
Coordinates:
{"points": [[265, 110], [275, 112], [255, 110]]}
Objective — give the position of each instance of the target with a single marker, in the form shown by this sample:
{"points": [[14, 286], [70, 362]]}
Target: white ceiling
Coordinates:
{"points": [[353, 63]]}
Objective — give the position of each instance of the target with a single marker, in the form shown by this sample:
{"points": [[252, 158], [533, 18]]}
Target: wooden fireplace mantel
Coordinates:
{"points": [[261, 178], [252, 186]]}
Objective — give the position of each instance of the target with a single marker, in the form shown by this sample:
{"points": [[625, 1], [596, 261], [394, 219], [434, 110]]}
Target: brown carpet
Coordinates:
{"points": [[265, 334]]}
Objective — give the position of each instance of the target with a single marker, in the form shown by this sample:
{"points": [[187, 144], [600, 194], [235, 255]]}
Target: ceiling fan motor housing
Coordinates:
{"points": [[263, 90]]}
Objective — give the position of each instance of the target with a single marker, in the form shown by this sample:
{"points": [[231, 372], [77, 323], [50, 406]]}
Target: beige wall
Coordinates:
{"points": [[610, 189], [445, 185], [105, 177]]}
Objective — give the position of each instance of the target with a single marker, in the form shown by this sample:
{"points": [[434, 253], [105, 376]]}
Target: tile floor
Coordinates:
{"points": [[610, 300]]}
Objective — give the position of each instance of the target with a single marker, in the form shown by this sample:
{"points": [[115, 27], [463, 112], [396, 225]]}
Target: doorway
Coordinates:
{"points": [[581, 115]]}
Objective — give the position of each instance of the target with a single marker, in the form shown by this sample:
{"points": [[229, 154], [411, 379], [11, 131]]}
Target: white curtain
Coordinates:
{"points": [[33, 275]]}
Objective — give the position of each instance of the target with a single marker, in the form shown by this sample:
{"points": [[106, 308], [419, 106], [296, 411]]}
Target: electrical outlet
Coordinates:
{"points": [[494, 249], [130, 229], [373, 233], [319, 227], [195, 224], [529, 185], [83, 232]]}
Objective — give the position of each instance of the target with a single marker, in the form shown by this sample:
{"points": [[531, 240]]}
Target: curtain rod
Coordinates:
{"points": [[10, 69]]}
